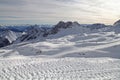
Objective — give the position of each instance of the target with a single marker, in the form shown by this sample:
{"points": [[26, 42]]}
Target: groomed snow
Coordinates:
{"points": [[60, 69]]}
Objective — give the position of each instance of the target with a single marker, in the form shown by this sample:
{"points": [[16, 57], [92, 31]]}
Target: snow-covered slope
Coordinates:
{"points": [[102, 44]]}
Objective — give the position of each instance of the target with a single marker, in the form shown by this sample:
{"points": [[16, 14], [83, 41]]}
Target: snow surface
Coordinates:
{"points": [[60, 69], [72, 54]]}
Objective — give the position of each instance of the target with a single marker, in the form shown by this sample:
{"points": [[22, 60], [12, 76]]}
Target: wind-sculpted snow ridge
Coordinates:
{"points": [[60, 69]]}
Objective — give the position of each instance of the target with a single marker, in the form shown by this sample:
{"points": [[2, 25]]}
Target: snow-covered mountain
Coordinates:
{"points": [[116, 26], [117, 23], [7, 37], [63, 28], [34, 32], [43, 32], [65, 35], [14, 28], [18, 33]]}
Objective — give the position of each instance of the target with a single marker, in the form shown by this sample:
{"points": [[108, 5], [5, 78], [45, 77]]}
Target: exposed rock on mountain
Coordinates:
{"points": [[63, 25], [117, 23], [117, 26], [34, 32], [4, 42], [96, 26], [7, 37]]}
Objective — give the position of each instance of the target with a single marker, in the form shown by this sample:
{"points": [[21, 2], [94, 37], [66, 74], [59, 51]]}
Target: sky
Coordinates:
{"points": [[53, 11]]}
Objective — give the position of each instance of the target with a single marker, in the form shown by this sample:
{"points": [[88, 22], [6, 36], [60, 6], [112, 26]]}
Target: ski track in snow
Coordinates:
{"points": [[60, 69]]}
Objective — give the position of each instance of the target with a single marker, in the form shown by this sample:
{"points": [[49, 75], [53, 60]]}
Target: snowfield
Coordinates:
{"points": [[60, 69], [67, 55]]}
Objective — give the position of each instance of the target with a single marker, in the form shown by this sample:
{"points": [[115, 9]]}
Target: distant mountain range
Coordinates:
{"points": [[19, 33], [19, 28]]}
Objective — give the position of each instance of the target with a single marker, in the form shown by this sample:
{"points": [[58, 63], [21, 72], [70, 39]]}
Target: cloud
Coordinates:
{"points": [[9, 17], [66, 1], [51, 11], [12, 2]]}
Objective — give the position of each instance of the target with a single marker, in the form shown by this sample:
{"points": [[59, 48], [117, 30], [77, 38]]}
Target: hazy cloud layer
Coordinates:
{"points": [[52, 11]]}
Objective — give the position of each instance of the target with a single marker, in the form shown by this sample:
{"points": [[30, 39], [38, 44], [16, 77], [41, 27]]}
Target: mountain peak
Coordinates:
{"points": [[117, 23]]}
